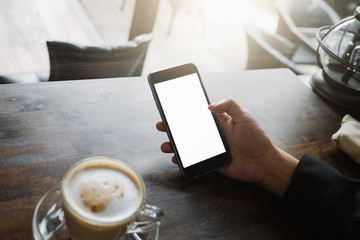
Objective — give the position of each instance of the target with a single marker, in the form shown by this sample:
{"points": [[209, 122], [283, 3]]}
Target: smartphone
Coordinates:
{"points": [[191, 127]]}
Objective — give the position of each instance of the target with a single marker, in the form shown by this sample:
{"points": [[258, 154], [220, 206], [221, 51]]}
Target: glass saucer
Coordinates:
{"points": [[48, 221]]}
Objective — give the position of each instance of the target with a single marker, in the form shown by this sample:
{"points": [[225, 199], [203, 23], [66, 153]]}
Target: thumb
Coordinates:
{"points": [[228, 106]]}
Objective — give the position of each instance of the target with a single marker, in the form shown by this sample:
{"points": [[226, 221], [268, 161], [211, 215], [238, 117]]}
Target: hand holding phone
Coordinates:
{"points": [[192, 129]]}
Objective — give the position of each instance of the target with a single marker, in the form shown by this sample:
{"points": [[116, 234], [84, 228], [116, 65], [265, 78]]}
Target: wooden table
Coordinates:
{"points": [[47, 127]]}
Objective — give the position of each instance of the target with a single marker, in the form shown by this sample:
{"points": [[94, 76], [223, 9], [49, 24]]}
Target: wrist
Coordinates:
{"points": [[279, 173]]}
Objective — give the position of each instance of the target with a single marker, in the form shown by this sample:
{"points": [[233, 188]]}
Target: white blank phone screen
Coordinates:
{"points": [[190, 121]]}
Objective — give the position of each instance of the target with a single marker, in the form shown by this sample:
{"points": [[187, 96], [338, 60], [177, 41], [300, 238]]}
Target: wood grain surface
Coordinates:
{"points": [[47, 127]]}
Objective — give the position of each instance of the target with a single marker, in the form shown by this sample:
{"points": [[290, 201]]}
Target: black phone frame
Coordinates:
{"points": [[204, 166]]}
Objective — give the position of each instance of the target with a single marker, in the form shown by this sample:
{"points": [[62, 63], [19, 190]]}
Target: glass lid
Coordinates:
{"points": [[339, 51]]}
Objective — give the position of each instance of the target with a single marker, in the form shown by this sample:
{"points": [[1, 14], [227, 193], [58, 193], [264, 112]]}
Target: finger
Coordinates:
{"points": [[228, 106], [160, 126], [174, 160], [166, 147]]}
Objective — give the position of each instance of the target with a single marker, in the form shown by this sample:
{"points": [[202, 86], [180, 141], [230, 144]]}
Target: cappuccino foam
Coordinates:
{"points": [[103, 194]]}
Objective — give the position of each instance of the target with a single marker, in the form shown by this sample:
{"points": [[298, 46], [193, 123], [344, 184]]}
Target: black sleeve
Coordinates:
{"points": [[323, 201]]}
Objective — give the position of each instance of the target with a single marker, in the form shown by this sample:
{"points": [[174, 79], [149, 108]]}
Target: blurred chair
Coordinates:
{"points": [[122, 7], [70, 61], [176, 5], [344, 8], [267, 50], [27, 77], [299, 20]]}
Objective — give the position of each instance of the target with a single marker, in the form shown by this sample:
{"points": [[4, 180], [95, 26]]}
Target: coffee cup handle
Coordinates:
{"points": [[148, 220]]}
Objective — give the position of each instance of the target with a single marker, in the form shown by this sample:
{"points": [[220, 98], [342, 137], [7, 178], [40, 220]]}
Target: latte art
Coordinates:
{"points": [[103, 194], [100, 189]]}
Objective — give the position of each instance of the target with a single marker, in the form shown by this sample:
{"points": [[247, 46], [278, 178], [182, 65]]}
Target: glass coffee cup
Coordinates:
{"points": [[99, 198]]}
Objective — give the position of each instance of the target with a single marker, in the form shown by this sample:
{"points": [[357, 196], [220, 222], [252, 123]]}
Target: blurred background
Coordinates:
{"points": [[216, 35]]}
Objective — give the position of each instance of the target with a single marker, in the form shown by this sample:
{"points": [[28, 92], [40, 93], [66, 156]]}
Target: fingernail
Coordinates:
{"points": [[215, 103]]}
